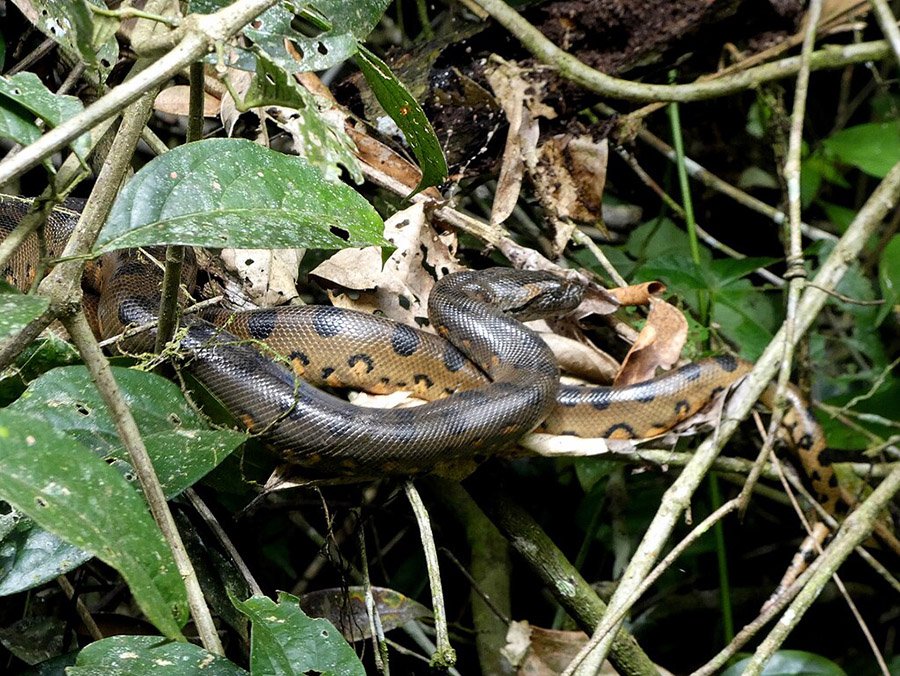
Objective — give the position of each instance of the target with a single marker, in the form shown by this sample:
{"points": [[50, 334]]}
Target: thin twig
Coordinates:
{"points": [[888, 23], [445, 655]]}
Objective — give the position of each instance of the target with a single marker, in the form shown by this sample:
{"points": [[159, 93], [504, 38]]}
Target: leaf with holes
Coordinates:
{"points": [[321, 34], [406, 112], [284, 640], [69, 491], [234, 193], [27, 92], [82, 34], [149, 655], [322, 144]]}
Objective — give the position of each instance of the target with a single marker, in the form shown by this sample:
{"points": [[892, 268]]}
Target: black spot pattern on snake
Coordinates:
{"points": [[326, 372], [833, 480], [726, 362], [361, 357], [624, 427], [405, 341], [646, 398], [454, 360], [815, 476], [682, 406], [262, 324], [299, 356], [423, 379], [328, 321], [600, 405]]}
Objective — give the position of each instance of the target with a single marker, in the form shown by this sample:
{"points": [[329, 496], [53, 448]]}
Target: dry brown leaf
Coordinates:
{"points": [[658, 345], [400, 287], [521, 139], [536, 651], [637, 294], [175, 100], [569, 178], [386, 168]]}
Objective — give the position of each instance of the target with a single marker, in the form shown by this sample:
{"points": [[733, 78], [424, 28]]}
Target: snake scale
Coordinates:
{"points": [[488, 378]]}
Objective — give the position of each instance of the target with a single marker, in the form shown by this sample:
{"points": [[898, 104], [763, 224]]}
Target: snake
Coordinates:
{"points": [[487, 378]]}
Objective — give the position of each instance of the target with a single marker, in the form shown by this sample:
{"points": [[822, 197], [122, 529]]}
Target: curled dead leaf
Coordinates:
{"points": [[658, 345], [638, 294]]}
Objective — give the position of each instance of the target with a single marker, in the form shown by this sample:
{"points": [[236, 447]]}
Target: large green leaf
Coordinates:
{"points": [[285, 642], [235, 193], [178, 439], [180, 444], [406, 112], [27, 91], [873, 148], [142, 655], [68, 490]]}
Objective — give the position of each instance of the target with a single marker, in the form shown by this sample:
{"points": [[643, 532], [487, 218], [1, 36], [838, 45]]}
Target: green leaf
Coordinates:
{"points": [[17, 310], [142, 655], [74, 27], [840, 216], [26, 90], [284, 641], [234, 193], [728, 270], [178, 439], [873, 148], [30, 556], [889, 277], [328, 35], [791, 663], [17, 124], [406, 112], [69, 491], [181, 445]]}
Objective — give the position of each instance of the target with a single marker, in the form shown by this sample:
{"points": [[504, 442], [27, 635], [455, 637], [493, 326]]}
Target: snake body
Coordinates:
{"points": [[489, 379]]}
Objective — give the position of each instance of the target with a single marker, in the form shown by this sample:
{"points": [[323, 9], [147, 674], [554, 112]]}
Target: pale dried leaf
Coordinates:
{"points": [[581, 359], [658, 345], [521, 140], [559, 445], [268, 277], [175, 100], [401, 286]]}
